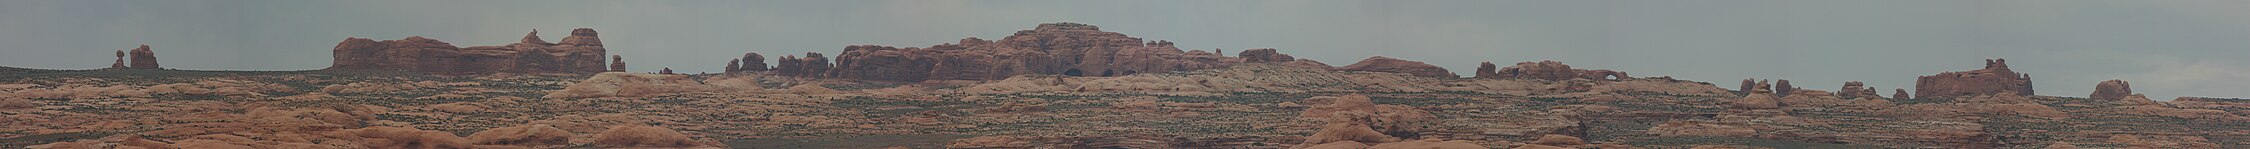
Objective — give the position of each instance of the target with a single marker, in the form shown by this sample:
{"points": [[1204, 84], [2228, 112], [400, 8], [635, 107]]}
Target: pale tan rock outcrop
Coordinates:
{"points": [[526, 135], [1684, 128], [400, 137], [1360, 109], [1429, 143], [1558, 140], [644, 136], [621, 84]]}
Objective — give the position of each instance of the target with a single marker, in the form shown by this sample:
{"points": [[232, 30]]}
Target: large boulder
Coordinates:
{"points": [[1388, 64], [2112, 89], [1781, 88], [579, 53], [144, 59], [621, 84], [1994, 78]]}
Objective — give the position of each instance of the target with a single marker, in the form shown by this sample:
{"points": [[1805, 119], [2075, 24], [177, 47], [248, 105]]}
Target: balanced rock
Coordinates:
{"points": [[2112, 89], [1993, 79], [1552, 70], [144, 59], [120, 64], [579, 53], [1388, 64]]}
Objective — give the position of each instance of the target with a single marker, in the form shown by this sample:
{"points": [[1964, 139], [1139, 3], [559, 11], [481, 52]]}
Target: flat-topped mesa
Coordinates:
{"points": [[580, 53], [1388, 64], [812, 65], [1552, 70], [2112, 90], [1995, 78], [1054, 48], [143, 58]]}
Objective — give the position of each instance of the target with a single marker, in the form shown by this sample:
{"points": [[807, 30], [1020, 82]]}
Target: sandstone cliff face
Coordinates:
{"points": [[2112, 89], [1993, 79], [1487, 71], [1054, 48], [579, 53], [1388, 64], [753, 62], [1552, 70], [144, 59]]}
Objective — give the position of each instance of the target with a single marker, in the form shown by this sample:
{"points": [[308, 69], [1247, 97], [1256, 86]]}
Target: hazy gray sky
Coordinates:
{"points": [[2166, 48]]}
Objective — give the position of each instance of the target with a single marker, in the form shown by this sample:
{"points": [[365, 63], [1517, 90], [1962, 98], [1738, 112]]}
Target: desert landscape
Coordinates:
{"points": [[1055, 85]]}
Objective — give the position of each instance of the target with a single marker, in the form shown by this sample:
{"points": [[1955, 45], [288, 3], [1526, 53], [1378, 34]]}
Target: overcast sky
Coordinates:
{"points": [[2166, 48]]}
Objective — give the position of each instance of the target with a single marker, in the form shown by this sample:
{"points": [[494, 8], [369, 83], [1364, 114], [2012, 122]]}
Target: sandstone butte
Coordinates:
{"points": [[581, 52], [144, 59], [1064, 48], [1995, 78], [1547, 70]]}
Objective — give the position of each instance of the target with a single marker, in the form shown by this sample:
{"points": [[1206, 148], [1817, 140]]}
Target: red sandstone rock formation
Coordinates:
{"points": [[1900, 94], [120, 64], [1265, 55], [579, 53], [1855, 89], [617, 63], [666, 70], [734, 66], [812, 65], [144, 59], [1552, 70], [1487, 70], [753, 62], [1053, 48], [2112, 89], [1993, 79], [1388, 64], [1746, 84], [1782, 88]]}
